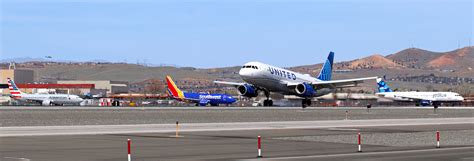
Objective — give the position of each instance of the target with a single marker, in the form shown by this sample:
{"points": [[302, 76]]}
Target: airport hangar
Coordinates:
{"points": [[25, 80]]}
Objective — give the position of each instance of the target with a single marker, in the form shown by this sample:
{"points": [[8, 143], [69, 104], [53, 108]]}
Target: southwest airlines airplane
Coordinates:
{"points": [[43, 99], [198, 98], [263, 77], [421, 98]]}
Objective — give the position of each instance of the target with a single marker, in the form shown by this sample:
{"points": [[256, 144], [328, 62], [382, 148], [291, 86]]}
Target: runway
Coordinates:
{"points": [[277, 144], [221, 133], [194, 127], [73, 116]]}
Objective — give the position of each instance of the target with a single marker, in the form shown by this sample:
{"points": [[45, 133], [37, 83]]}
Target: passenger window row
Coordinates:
{"points": [[250, 66]]}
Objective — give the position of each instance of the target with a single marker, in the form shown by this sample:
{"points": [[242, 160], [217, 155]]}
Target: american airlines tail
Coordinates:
{"points": [[326, 71], [14, 91], [173, 90], [383, 87]]}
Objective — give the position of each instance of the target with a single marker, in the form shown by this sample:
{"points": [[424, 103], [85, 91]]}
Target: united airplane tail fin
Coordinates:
{"points": [[326, 70], [383, 87], [173, 90], [14, 90]]}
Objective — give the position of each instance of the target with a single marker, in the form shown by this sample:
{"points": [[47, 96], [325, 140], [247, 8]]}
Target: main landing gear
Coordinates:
{"points": [[306, 102], [268, 101]]}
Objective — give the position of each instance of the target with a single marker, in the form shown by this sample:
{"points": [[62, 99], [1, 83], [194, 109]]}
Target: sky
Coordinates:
{"points": [[220, 33]]}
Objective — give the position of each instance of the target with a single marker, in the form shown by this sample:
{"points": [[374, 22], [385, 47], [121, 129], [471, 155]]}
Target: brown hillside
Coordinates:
{"points": [[413, 57], [374, 61], [460, 59]]}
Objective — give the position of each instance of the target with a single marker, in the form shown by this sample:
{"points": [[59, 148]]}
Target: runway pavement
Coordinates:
{"points": [[241, 145], [57, 116], [221, 133], [192, 127]]}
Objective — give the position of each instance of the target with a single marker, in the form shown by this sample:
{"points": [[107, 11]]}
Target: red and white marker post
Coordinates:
{"points": [[259, 152], [129, 143], [437, 139], [359, 140]]}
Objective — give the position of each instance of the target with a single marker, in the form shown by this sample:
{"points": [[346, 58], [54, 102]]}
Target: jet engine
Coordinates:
{"points": [[305, 90], [46, 103], [247, 90]]}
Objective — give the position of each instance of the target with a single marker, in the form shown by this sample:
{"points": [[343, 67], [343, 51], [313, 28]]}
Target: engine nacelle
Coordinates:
{"points": [[425, 103], [46, 103], [305, 90], [203, 102], [247, 90]]}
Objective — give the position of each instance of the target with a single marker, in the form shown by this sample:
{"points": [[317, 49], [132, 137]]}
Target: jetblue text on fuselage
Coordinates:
{"points": [[282, 73]]}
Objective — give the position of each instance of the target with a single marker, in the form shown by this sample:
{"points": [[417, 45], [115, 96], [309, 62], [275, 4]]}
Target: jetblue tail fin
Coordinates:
{"points": [[14, 90], [383, 87], [326, 71]]}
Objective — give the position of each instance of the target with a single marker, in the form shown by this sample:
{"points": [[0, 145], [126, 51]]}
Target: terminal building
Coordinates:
{"points": [[25, 80], [109, 87]]}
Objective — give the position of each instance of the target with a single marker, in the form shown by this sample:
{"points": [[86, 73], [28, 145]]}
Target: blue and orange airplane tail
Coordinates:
{"points": [[326, 70], [173, 90]]}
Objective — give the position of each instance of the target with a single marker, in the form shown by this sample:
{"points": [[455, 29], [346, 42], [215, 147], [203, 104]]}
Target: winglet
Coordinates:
{"points": [[173, 89], [326, 71]]}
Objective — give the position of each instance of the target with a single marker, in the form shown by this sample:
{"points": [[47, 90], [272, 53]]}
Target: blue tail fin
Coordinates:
{"points": [[383, 87], [326, 71]]}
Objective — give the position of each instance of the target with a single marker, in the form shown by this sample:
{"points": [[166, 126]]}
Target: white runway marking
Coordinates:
{"points": [[193, 127], [14, 158], [369, 153]]}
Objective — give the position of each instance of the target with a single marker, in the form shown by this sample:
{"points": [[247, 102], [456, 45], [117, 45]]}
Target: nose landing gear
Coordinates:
{"points": [[268, 101]]}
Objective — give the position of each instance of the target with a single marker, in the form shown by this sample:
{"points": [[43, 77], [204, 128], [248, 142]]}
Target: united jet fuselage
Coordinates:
{"points": [[275, 79]]}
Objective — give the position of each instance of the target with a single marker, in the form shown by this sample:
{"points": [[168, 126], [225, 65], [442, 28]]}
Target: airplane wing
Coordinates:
{"points": [[229, 83], [343, 83]]}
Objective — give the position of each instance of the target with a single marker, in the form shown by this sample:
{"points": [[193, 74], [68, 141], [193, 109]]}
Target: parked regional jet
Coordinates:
{"points": [[263, 77], [198, 98], [43, 99], [420, 98]]}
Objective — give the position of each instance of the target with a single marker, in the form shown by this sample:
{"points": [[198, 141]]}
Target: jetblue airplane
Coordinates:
{"points": [[199, 99], [43, 99], [263, 77], [420, 98]]}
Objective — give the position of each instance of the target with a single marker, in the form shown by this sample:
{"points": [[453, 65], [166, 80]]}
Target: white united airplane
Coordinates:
{"points": [[43, 99], [420, 98], [263, 77]]}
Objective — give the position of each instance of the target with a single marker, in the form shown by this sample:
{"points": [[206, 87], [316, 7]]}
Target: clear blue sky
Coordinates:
{"points": [[217, 33]]}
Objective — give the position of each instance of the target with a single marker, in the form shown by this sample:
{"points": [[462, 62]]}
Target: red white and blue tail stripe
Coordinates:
{"points": [[14, 91]]}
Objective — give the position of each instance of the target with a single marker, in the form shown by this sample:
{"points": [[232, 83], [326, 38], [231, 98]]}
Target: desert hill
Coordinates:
{"points": [[447, 67]]}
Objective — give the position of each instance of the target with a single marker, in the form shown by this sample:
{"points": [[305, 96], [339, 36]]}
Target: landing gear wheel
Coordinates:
{"points": [[267, 102], [305, 103]]}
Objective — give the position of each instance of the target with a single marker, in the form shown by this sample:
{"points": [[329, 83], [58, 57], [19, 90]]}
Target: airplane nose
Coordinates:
{"points": [[245, 73]]}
